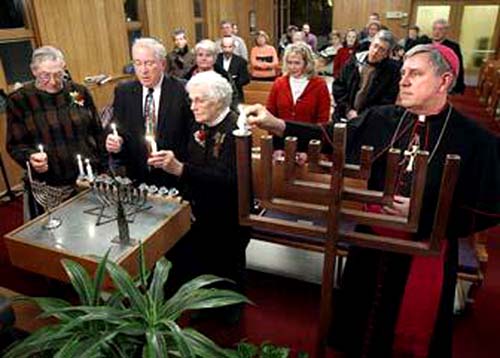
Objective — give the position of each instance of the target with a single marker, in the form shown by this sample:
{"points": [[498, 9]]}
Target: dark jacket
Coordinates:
{"points": [[180, 62], [238, 70], [174, 118], [383, 89]]}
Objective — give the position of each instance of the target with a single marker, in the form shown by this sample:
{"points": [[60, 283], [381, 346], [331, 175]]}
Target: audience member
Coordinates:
{"points": [[181, 58], [299, 94], [49, 121], [240, 48], [154, 105], [439, 33], [309, 37], [263, 58], [369, 79], [205, 60], [236, 30], [348, 49], [286, 39], [373, 17], [233, 64], [412, 38], [327, 55], [372, 29]]}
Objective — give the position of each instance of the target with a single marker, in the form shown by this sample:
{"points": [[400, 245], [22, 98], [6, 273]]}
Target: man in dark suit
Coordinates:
{"points": [[439, 32], [155, 106], [235, 65]]}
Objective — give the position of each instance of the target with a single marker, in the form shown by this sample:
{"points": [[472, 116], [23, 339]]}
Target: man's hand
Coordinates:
{"points": [[400, 207], [259, 116], [351, 114], [114, 143], [166, 160], [39, 162]]}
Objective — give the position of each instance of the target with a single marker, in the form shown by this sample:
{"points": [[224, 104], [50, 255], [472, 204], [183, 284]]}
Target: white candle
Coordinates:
{"points": [[152, 143], [421, 118], [40, 148], [28, 168], [113, 127], [81, 172], [242, 119], [90, 173]]}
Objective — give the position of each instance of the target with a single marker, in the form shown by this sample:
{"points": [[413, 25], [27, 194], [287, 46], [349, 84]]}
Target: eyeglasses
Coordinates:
{"points": [[379, 48], [46, 76], [147, 64]]}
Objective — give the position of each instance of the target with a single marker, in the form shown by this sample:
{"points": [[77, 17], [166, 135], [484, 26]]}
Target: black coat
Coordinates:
{"points": [[174, 118], [383, 89], [238, 70]]}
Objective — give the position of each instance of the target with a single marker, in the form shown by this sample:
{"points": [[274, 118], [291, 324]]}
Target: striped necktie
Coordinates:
{"points": [[149, 113]]}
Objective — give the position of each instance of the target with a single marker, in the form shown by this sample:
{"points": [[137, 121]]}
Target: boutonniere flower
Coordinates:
{"points": [[218, 141], [77, 98], [200, 136]]}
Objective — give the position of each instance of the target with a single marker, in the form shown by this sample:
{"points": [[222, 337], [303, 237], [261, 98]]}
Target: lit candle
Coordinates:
{"points": [[152, 143], [81, 172], [113, 127], [40, 148], [90, 173], [421, 118]]}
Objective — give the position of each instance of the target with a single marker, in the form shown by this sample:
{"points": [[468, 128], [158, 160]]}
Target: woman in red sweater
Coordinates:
{"points": [[299, 95]]}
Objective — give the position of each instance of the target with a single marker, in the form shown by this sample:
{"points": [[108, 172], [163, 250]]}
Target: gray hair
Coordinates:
{"points": [[217, 87], [387, 37], [439, 63], [303, 50], [207, 45], [46, 53], [441, 21], [156, 46]]}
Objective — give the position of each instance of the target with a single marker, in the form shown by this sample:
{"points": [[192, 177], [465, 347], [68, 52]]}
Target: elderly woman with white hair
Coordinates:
{"points": [[208, 179], [50, 120], [205, 60]]}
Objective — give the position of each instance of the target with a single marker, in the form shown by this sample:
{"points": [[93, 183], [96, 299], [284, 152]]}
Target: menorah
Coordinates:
{"points": [[49, 197]]}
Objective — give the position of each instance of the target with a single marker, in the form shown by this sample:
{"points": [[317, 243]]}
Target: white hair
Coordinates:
{"points": [[216, 87], [207, 45], [441, 21], [156, 46], [46, 53]]}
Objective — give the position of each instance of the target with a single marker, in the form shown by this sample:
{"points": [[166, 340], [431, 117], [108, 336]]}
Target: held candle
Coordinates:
{"points": [[79, 161], [113, 127], [152, 143], [40, 148], [90, 173]]}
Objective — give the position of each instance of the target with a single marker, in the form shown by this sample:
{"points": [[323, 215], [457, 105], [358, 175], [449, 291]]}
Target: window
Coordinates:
{"points": [[200, 25], [17, 41], [135, 15]]}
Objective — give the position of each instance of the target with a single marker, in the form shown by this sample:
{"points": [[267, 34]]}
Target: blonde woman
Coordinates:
{"points": [[263, 58]]}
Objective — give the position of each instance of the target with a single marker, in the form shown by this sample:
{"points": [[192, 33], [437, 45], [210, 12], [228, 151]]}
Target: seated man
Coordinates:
{"points": [[154, 105], [49, 121], [369, 79], [393, 304]]}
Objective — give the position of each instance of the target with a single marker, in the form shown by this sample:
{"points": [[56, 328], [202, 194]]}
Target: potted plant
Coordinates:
{"points": [[136, 320]]}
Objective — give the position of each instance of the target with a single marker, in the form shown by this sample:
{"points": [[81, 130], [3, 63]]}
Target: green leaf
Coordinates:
{"points": [[99, 279], [80, 280], [143, 270], [180, 341], [156, 346], [125, 284], [212, 298], [51, 306], [160, 276], [247, 350], [71, 348], [204, 347]]}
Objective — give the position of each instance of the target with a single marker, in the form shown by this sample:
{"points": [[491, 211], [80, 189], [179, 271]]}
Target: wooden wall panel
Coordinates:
{"points": [[14, 171], [348, 13], [91, 33], [166, 15]]}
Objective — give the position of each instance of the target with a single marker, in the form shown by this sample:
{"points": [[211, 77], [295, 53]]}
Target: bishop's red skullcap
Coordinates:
{"points": [[450, 57]]}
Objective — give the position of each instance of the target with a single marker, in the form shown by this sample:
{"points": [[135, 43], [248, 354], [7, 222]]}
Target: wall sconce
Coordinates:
{"points": [[252, 21]]}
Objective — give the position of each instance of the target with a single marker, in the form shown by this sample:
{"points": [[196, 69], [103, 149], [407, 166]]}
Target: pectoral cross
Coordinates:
{"points": [[411, 154]]}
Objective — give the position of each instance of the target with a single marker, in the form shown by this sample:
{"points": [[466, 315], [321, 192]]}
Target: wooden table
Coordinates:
{"points": [[36, 249]]}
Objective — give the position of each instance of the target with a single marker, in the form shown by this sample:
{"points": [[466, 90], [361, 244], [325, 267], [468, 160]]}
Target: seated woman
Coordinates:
{"points": [[216, 243], [327, 55], [345, 53], [299, 94], [263, 58], [205, 60]]}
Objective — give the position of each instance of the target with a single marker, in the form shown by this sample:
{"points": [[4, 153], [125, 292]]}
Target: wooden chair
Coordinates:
{"points": [[324, 203]]}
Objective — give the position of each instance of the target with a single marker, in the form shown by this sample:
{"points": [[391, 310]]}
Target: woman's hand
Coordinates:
{"points": [[166, 160], [114, 143], [39, 162], [259, 116]]}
